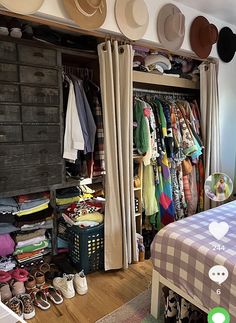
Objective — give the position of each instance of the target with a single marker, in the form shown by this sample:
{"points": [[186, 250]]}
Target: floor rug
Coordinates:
{"points": [[135, 311]]}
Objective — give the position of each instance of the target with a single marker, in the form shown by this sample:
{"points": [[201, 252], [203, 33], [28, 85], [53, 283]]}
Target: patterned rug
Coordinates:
{"points": [[135, 311]]}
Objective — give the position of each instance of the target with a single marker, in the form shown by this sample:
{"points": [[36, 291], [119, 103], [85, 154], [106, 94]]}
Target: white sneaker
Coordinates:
{"points": [[65, 285], [80, 283]]}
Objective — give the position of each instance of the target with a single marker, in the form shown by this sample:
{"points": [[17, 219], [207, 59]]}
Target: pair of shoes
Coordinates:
{"points": [[41, 296], [69, 283], [11, 27], [12, 283], [17, 274], [22, 306], [35, 281]]}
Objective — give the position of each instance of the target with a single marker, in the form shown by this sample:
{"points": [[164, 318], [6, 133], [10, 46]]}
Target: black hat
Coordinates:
{"points": [[226, 45]]}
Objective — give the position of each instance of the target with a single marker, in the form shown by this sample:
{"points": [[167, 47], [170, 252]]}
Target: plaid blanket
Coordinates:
{"points": [[184, 251]]}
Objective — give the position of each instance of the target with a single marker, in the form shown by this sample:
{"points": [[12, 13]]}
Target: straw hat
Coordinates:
{"points": [[203, 36], [226, 45], [88, 14], [171, 27], [132, 18], [23, 7]]}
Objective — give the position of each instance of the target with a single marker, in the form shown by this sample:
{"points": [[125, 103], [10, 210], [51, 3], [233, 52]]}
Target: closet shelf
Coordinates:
{"points": [[156, 79]]}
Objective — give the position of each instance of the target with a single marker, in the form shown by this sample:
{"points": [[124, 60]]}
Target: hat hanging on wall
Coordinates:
{"points": [[132, 18], [226, 45], [203, 36], [88, 14], [171, 27], [23, 7]]}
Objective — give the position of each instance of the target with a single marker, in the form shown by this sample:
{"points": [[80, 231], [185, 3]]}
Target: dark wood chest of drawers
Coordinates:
{"points": [[31, 126]]}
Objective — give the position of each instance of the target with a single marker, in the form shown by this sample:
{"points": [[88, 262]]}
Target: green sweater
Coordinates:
{"points": [[141, 131]]}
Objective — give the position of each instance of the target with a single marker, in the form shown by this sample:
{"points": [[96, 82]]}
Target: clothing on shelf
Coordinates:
{"points": [[167, 135]]}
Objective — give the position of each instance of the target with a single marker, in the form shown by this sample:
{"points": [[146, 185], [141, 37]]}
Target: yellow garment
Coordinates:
{"points": [[71, 200], [33, 209], [95, 216], [149, 195]]}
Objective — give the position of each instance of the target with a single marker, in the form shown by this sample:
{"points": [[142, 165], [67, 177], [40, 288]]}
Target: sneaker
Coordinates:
{"points": [[80, 283], [16, 305], [17, 287], [65, 285], [29, 310], [5, 292]]}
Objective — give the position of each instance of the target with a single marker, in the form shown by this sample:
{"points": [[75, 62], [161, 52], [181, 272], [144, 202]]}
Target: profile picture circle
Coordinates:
{"points": [[218, 187]]}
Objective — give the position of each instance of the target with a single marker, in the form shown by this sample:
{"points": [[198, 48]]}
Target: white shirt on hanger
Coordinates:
{"points": [[73, 139]]}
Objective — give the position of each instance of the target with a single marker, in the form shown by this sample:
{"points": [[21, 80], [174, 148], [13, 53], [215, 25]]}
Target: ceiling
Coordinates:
{"points": [[221, 9]]}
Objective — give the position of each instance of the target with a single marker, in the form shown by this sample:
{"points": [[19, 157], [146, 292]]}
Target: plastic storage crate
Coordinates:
{"points": [[86, 248]]}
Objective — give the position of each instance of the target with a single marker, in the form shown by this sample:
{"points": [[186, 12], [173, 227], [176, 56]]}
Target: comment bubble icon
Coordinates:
{"points": [[218, 274]]}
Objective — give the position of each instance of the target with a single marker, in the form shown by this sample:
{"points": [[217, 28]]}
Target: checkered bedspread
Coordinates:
{"points": [[184, 251]]}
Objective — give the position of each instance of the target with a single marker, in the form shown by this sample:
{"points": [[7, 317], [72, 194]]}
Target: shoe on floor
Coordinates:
{"points": [[29, 310], [17, 287], [16, 305], [5, 292], [65, 285], [80, 283]]}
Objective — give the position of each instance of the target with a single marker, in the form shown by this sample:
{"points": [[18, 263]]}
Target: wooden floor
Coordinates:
{"points": [[107, 292]]}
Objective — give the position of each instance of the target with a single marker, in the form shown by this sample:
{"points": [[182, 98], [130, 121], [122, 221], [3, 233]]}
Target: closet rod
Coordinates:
{"points": [[163, 92]]}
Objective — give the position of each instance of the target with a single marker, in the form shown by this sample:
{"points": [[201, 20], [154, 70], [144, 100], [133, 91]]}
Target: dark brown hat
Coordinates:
{"points": [[226, 45], [202, 36]]}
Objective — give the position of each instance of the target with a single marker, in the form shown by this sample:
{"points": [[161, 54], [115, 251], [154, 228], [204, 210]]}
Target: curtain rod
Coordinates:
{"points": [[162, 92]]}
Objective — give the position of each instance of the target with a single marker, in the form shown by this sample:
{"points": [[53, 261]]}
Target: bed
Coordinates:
{"points": [[183, 253]]}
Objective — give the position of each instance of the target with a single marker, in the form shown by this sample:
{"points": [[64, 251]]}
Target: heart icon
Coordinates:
{"points": [[218, 230]]}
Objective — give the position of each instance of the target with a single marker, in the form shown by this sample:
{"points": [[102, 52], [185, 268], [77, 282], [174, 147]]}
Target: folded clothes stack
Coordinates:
{"points": [[33, 217], [7, 263], [8, 208], [67, 196], [84, 214]]}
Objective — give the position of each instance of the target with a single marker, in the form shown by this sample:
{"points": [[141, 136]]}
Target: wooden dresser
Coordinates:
{"points": [[31, 122]]}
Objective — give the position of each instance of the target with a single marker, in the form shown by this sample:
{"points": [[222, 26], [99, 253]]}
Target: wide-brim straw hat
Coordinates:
{"points": [[132, 18], [23, 7], [88, 14], [203, 35], [171, 27]]}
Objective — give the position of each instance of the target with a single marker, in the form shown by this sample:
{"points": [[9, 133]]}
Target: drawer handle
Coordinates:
{"points": [[43, 151], [38, 54], [3, 179], [42, 132], [41, 74], [45, 174], [41, 113], [41, 94]]}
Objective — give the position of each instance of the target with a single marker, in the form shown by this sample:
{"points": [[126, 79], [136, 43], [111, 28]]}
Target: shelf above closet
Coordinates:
{"points": [[156, 79]]}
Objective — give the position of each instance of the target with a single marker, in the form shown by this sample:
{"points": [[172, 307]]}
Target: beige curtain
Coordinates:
{"points": [[116, 87], [209, 103]]}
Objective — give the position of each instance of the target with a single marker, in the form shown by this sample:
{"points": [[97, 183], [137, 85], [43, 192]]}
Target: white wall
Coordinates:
{"points": [[53, 9]]}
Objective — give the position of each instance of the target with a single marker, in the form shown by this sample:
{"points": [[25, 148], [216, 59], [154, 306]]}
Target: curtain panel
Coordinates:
{"points": [[117, 99]]}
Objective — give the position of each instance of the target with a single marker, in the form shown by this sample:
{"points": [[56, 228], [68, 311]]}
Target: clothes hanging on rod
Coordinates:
{"points": [[167, 134], [83, 139]]}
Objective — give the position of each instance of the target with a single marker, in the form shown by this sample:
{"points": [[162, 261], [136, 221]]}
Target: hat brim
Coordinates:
{"points": [[88, 23], [165, 12], [195, 42], [226, 45], [23, 7], [133, 33]]}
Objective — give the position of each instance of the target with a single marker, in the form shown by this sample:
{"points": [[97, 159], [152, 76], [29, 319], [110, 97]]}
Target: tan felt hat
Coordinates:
{"points": [[23, 7], [132, 18], [171, 27], [203, 36], [88, 14]]}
